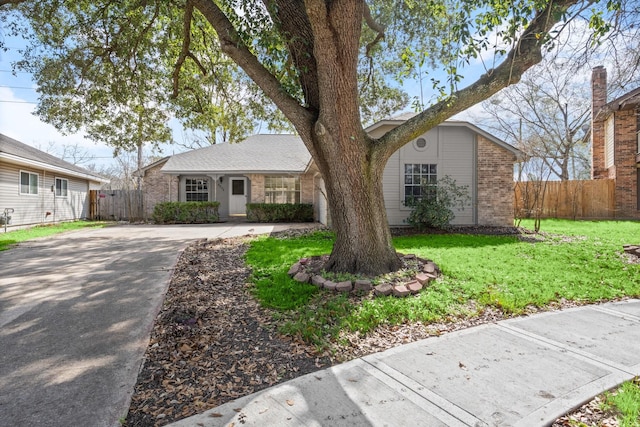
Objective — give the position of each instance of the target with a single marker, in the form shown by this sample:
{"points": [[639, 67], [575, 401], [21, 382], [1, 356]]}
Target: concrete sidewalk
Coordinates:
{"points": [[76, 311], [518, 372]]}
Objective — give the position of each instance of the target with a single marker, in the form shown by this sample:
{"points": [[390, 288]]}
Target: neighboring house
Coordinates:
{"points": [[41, 188], [279, 169], [615, 143]]}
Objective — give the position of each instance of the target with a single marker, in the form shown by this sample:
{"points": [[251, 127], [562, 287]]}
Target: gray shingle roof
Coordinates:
{"points": [[257, 153], [17, 149]]}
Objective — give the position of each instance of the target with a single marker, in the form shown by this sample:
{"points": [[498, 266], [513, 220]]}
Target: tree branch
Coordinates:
{"points": [[375, 26], [232, 45], [185, 51], [3, 2], [526, 53]]}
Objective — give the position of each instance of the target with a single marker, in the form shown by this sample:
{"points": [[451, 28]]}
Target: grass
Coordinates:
{"points": [[12, 237], [579, 261], [625, 403]]}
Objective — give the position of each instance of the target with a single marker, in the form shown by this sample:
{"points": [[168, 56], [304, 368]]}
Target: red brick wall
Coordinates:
{"points": [[495, 184], [626, 173], [157, 188]]}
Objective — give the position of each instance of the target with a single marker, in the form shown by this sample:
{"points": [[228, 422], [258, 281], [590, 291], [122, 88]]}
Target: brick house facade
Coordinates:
{"points": [[157, 187], [279, 169], [615, 142], [495, 183]]}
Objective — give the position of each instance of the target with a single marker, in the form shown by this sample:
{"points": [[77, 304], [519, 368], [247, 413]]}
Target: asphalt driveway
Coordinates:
{"points": [[76, 311]]}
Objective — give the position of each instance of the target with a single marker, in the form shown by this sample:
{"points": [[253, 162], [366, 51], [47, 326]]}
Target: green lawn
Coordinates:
{"points": [[578, 261], [17, 236], [625, 403]]}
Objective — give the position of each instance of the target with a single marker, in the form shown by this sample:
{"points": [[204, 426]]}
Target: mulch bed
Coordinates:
{"points": [[212, 342]]}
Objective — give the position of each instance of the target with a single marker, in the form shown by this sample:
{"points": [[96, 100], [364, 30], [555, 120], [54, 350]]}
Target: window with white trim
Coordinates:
{"points": [[28, 183], [62, 186], [282, 189], [197, 189], [418, 179]]}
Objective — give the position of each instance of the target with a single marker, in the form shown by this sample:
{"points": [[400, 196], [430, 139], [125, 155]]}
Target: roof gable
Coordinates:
{"points": [[19, 152], [272, 153], [400, 119], [625, 102]]}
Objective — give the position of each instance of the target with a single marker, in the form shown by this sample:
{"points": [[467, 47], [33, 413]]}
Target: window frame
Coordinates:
{"points": [[282, 189], [201, 188], [425, 171], [29, 186], [62, 190]]}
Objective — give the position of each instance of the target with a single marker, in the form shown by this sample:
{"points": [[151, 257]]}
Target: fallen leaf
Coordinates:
{"points": [[237, 409], [263, 411], [461, 365], [290, 402], [352, 380], [215, 415]]}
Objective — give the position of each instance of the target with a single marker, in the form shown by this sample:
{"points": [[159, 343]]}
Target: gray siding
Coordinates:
{"points": [[452, 149], [32, 209]]}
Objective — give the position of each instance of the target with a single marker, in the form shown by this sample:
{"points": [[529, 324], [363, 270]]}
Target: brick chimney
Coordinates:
{"points": [[598, 100]]}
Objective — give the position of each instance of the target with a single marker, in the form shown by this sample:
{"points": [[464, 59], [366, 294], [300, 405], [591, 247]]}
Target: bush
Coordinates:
{"points": [[279, 212], [435, 210], [186, 212]]}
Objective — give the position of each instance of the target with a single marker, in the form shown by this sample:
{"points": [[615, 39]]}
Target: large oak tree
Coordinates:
{"points": [[313, 59]]}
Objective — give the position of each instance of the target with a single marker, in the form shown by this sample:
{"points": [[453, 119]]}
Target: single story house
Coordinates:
{"points": [[279, 169], [615, 143], [38, 188]]}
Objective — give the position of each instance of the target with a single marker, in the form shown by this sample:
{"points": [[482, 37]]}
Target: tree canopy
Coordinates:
{"points": [[316, 61]]}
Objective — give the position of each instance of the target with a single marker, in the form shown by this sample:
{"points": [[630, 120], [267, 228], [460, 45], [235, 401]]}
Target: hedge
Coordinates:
{"points": [[186, 212], [279, 212]]}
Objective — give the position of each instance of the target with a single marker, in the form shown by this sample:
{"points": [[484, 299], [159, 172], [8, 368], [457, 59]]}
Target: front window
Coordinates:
{"points": [[282, 189], [62, 186], [420, 181], [28, 183], [197, 190]]}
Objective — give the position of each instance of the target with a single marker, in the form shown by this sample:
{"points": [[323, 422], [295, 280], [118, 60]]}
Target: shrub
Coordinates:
{"points": [[434, 210], [186, 212], [279, 212]]}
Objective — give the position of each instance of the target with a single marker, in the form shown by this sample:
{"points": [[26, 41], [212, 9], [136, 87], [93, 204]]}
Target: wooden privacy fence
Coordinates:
{"points": [[116, 205], [593, 199]]}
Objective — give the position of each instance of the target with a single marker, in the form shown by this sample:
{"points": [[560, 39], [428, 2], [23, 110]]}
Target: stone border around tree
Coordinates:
{"points": [[308, 270]]}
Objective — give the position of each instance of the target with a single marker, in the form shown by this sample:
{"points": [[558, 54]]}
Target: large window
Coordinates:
{"points": [[197, 190], [62, 186], [28, 183], [418, 178], [281, 189]]}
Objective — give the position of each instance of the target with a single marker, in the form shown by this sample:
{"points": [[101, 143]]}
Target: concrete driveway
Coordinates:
{"points": [[76, 311]]}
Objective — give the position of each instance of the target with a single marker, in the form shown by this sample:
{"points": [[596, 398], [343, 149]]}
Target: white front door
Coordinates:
{"points": [[238, 196]]}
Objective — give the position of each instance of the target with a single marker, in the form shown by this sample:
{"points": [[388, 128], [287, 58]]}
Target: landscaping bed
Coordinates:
{"points": [[213, 341]]}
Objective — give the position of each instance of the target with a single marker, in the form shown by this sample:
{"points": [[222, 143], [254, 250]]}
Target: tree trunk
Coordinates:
{"points": [[354, 191], [351, 163]]}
